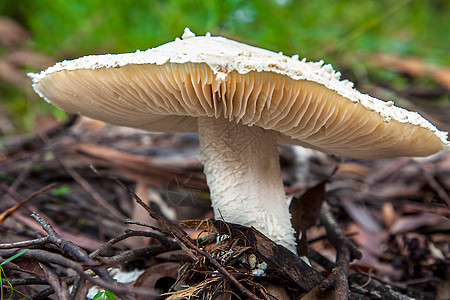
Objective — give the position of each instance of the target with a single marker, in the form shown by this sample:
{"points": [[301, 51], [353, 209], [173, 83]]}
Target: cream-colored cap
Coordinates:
{"points": [[166, 88]]}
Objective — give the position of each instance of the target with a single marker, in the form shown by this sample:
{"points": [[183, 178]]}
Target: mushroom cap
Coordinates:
{"points": [[166, 88]]}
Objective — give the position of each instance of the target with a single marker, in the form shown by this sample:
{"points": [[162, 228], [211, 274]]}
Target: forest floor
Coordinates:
{"points": [[78, 177]]}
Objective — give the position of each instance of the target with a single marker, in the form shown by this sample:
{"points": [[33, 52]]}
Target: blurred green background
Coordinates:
{"points": [[344, 33]]}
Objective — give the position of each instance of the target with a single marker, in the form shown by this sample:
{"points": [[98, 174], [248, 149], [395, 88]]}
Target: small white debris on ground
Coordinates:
{"points": [[119, 276]]}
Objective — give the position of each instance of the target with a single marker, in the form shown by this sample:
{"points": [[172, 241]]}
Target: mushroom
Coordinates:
{"points": [[243, 101]]}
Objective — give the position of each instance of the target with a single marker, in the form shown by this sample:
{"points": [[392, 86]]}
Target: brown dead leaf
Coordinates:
{"points": [[60, 287], [369, 243], [388, 171], [287, 263], [159, 277], [388, 214], [353, 168], [276, 291], [440, 238], [274, 255], [442, 75], [25, 266], [363, 217], [394, 190], [305, 212], [86, 124], [413, 222], [409, 207], [371, 246], [413, 66], [305, 209], [316, 294]]}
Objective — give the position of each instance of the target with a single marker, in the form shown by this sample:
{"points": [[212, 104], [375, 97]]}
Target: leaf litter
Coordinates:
{"points": [[393, 212]]}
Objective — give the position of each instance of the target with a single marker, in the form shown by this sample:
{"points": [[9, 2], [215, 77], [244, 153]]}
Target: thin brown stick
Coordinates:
{"points": [[440, 191], [39, 281], [127, 234], [44, 256], [88, 188], [130, 255], [13, 209], [146, 225], [364, 282], [345, 253], [20, 178], [25, 244]]}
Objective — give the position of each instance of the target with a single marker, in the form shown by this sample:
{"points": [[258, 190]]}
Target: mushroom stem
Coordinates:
{"points": [[244, 177]]}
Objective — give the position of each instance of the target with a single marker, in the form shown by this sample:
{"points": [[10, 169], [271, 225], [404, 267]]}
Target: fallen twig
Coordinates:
{"points": [[70, 248], [88, 188], [362, 283], [13, 209], [25, 244], [345, 253], [130, 233], [440, 191]]}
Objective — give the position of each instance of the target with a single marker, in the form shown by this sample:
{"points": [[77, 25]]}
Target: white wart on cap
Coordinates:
{"points": [[243, 101]]}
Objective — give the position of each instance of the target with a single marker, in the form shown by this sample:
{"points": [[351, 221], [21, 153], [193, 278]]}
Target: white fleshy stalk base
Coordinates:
{"points": [[244, 177]]}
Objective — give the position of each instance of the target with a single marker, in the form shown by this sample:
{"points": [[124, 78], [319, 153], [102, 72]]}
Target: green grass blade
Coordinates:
{"points": [[13, 257]]}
